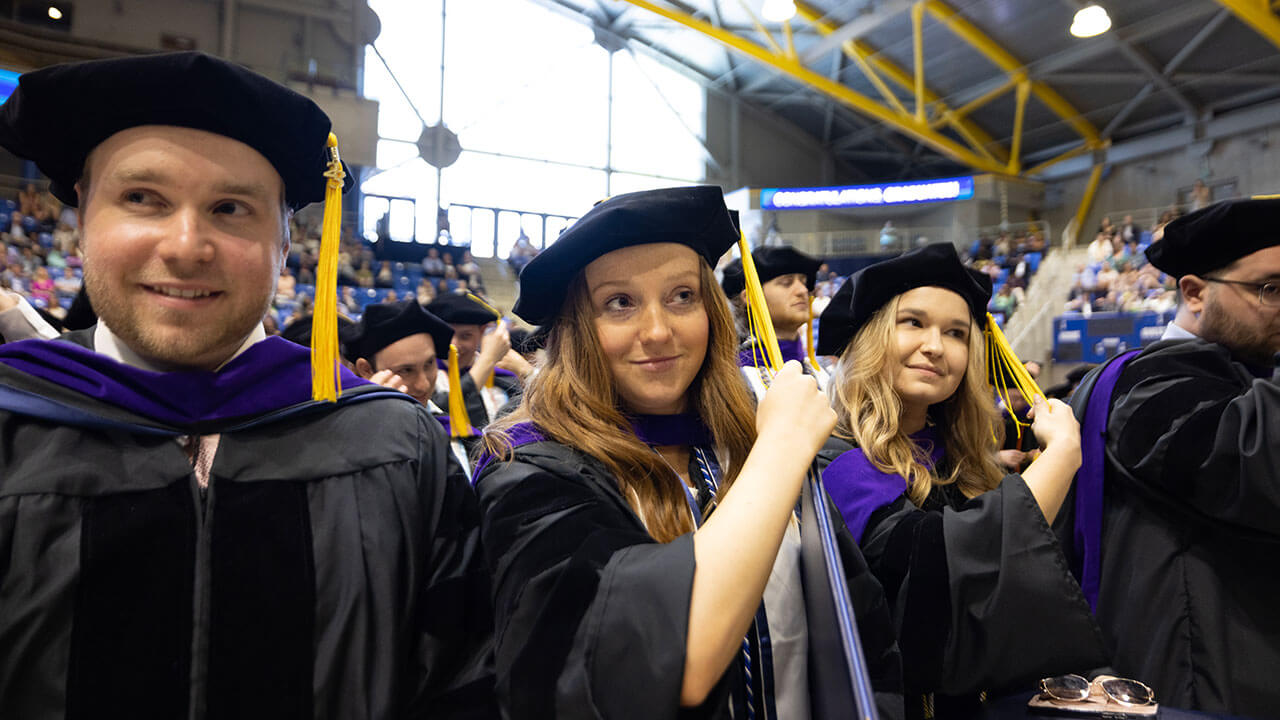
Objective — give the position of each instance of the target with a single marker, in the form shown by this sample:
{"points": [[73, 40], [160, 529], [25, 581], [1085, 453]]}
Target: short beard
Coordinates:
{"points": [[1245, 343]]}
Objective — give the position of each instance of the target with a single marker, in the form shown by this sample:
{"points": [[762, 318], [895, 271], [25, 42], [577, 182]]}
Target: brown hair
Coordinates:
{"points": [[574, 401], [869, 413]]}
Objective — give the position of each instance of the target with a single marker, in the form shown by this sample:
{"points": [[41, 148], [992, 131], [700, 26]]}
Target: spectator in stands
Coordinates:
{"points": [[391, 297], [1200, 196], [824, 274], [425, 292], [65, 238], [432, 265], [68, 285], [521, 253], [1003, 302], [286, 285], [1129, 230], [442, 288], [190, 534], [1100, 249], [364, 275], [386, 276], [28, 199], [469, 270], [888, 236], [447, 259], [42, 289], [270, 325]]}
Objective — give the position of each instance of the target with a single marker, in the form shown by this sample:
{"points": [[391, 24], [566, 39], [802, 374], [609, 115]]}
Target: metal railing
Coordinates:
{"points": [[848, 243]]}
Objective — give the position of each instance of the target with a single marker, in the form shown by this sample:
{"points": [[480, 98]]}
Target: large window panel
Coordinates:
{"points": [[658, 115], [410, 42], [478, 179], [525, 81]]}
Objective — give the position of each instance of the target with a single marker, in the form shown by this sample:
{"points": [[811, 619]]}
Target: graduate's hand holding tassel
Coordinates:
{"points": [[795, 415], [1049, 477], [493, 347]]}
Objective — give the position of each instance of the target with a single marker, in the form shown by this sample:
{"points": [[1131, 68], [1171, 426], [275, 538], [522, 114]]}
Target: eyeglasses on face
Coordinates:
{"points": [[1075, 688], [1268, 292]]}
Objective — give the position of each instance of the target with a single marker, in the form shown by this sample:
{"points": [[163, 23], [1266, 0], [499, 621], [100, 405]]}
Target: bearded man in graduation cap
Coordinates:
{"points": [[1177, 509], [185, 530]]}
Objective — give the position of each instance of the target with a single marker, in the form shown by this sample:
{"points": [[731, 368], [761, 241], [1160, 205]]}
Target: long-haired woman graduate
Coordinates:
{"points": [[980, 592], [637, 511]]}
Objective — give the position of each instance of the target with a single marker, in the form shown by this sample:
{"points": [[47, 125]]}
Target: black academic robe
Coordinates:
{"points": [[980, 592], [477, 412], [330, 569], [1190, 585], [591, 613]]}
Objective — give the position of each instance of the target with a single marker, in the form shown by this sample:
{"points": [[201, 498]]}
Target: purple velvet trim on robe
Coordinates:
{"points": [[753, 355], [665, 430], [1091, 477], [859, 488], [271, 375], [519, 434]]}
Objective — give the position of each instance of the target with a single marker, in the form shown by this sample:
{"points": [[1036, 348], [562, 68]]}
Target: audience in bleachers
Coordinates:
{"points": [[1118, 277]]}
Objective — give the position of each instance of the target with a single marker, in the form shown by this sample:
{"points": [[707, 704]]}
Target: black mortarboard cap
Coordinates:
{"points": [[1216, 236], [692, 216], [872, 287], [771, 262], [299, 331], [59, 114], [461, 309], [385, 323]]}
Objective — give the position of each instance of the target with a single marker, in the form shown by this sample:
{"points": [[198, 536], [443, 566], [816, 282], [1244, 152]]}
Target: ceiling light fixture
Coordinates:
{"points": [[55, 13], [1091, 20], [778, 10]]}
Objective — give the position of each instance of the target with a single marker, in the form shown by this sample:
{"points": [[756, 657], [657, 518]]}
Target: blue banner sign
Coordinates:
{"points": [[1093, 339], [8, 83], [918, 191]]}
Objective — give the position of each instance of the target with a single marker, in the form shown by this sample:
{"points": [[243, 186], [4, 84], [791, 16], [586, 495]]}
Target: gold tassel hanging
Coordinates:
{"points": [[326, 383], [459, 422], [758, 320], [1002, 362]]}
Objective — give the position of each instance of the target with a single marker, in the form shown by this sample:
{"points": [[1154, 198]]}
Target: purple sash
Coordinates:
{"points": [[859, 488], [753, 355], [271, 375], [1091, 477]]}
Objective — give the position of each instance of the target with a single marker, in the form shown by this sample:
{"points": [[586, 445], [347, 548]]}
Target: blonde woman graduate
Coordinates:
{"points": [[981, 596], [638, 514]]}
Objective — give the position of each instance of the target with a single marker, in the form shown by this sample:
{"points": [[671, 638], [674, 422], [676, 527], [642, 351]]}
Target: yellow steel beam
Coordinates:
{"points": [[1257, 16], [917, 40], [1015, 150], [919, 131], [760, 28], [858, 50], [791, 41], [1086, 202], [968, 32], [879, 85], [983, 99]]}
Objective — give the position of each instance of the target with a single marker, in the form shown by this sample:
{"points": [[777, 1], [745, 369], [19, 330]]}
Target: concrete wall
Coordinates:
{"points": [[1252, 159], [758, 149]]}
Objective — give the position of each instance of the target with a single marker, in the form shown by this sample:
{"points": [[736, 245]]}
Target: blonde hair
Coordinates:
{"points": [[869, 413], [574, 401]]}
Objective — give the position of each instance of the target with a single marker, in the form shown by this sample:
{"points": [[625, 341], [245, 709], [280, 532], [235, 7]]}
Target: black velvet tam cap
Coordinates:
{"points": [[386, 323], [1216, 236], [299, 331], [459, 309], [692, 216], [771, 262], [59, 114], [872, 287]]}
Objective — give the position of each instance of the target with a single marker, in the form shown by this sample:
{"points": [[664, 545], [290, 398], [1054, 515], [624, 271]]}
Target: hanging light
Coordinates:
{"points": [[1091, 20], [54, 13], [778, 10]]}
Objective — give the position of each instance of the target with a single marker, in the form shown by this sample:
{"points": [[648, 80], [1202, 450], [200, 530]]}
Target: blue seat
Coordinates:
{"points": [[9, 205], [1004, 275], [29, 224], [310, 290], [1033, 260], [45, 240]]}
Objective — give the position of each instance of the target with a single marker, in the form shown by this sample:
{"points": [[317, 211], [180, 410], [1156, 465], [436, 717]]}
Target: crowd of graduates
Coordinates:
{"points": [[672, 499]]}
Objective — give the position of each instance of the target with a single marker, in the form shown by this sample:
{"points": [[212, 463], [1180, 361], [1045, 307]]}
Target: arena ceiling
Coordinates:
{"points": [[1002, 86]]}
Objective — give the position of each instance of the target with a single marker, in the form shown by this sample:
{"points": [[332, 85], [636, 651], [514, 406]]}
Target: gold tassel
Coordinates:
{"points": [[326, 383], [459, 423], [1002, 361], [758, 321]]}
